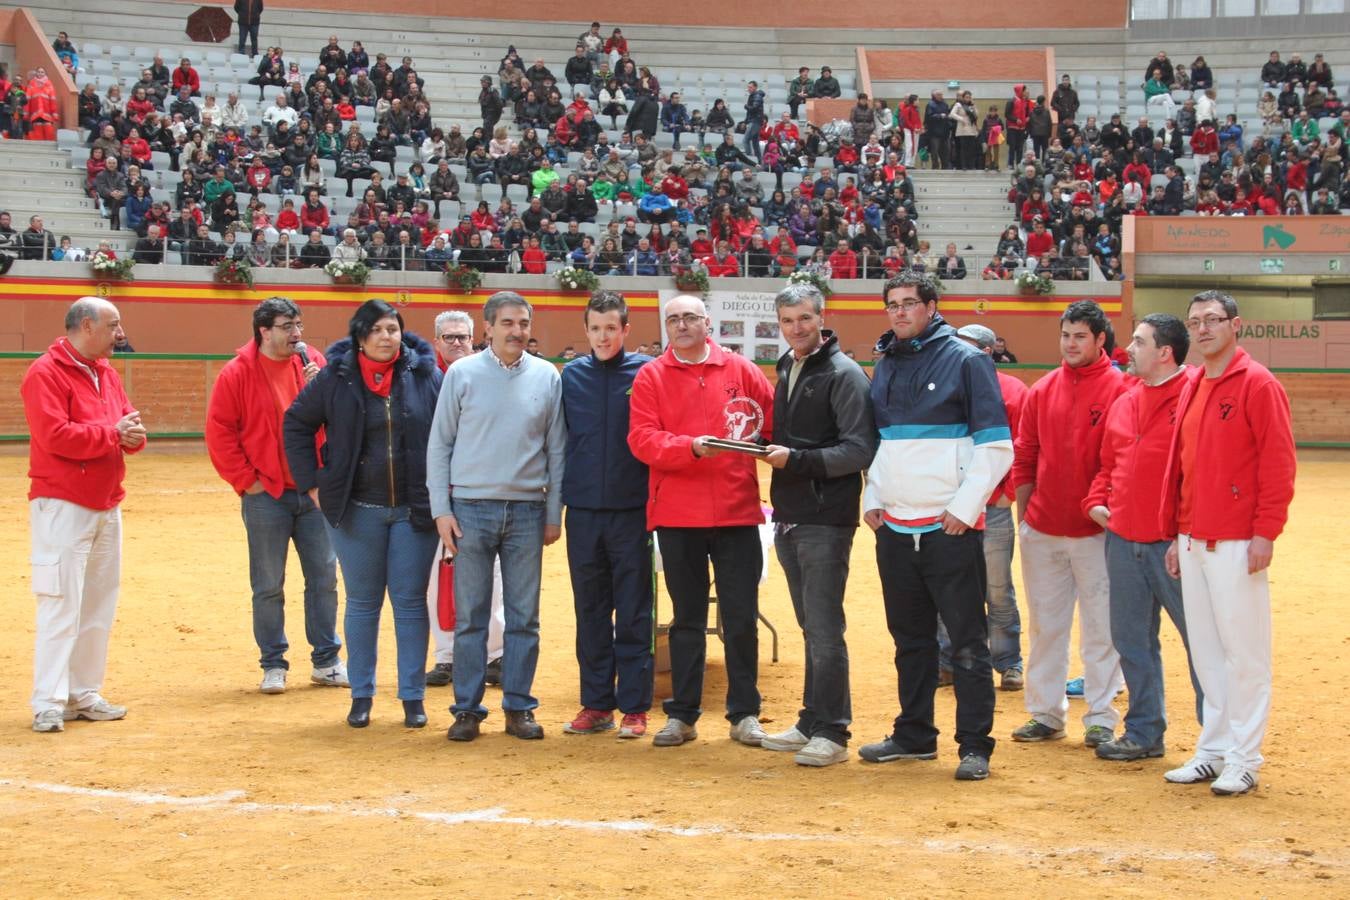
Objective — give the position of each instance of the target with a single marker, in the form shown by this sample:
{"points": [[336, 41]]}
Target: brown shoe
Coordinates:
{"points": [[520, 723], [465, 727]]}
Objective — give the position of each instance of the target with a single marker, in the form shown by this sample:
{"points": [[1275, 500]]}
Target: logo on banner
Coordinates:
{"points": [[744, 417]]}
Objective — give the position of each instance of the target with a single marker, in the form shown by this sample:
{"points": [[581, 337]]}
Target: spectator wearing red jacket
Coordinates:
{"points": [[722, 263], [704, 504], [186, 77], [1205, 140], [533, 260], [1230, 480], [243, 439], [843, 262], [1039, 240], [81, 426], [314, 215], [1063, 563], [1124, 499]]}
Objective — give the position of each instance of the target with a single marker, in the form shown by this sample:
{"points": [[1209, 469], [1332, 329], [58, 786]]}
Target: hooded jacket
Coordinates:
{"points": [[828, 425], [338, 401], [243, 431], [1059, 444], [673, 403], [75, 453], [1246, 483], [945, 441]]}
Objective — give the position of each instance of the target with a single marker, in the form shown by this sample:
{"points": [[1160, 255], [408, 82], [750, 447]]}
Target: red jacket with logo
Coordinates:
{"points": [[672, 404], [243, 430], [1014, 392], [1059, 444], [1244, 481], [1131, 482], [74, 451]]}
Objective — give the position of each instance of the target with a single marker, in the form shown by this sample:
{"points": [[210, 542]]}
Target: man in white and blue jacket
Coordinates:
{"points": [[945, 446], [609, 549]]}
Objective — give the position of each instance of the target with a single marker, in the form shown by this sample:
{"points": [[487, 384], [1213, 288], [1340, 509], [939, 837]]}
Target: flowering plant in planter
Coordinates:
{"points": [[348, 271], [108, 265], [574, 279]]}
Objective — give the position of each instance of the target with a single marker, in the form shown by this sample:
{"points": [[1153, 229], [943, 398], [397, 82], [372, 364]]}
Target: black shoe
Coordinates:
{"points": [[465, 727], [414, 715], [493, 675], [520, 723], [359, 717], [440, 675]]}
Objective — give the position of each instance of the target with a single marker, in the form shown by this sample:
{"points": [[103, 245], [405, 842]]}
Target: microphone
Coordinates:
{"points": [[303, 352]]}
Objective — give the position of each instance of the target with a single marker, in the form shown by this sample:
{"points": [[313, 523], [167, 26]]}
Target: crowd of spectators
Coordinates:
{"points": [[736, 189]]}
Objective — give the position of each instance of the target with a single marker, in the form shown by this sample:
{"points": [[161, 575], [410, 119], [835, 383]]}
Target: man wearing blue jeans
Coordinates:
{"points": [[824, 437], [243, 439], [494, 473], [1124, 499], [754, 120], [1005, 624]]}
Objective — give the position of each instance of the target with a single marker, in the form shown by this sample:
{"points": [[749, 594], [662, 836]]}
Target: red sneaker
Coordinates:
{"points": [[590, 721], [634, 725]]}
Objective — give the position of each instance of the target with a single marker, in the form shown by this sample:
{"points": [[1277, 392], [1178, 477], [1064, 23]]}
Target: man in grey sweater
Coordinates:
{"points": [[494, 474]]}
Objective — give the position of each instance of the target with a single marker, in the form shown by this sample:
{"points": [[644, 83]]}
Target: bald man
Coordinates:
{"points": [[81, 426]]}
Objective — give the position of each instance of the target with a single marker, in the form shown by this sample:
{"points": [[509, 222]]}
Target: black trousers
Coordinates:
{"points": [[737, 561], [1017, 147], [923, 576]]}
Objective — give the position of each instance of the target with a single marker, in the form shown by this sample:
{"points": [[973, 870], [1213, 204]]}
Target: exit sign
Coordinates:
{"points": [[1334, 265]]}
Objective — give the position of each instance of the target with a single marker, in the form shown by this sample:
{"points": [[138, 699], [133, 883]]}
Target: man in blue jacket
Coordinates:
{"points": [[608, 547], [945, 446]]}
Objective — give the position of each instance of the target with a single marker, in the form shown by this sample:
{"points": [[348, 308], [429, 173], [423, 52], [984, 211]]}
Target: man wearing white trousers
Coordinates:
{"points": [[454, 341], [1063, 551], [80, 425], [1230, 480]]}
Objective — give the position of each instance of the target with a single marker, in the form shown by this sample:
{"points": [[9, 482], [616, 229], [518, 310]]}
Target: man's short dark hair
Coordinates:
{"points": [[504, 298], [925, 284], [1169, 331], [266, 313], [603, 301], [367, 314], [1086, 311], [1230, 307]]}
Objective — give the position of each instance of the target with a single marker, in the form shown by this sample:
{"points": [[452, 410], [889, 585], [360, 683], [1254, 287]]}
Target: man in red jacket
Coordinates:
{"points": [[1230, 480], [80, 427], [704, 505], [1125, 497], [1063, 557], [243, 439]]}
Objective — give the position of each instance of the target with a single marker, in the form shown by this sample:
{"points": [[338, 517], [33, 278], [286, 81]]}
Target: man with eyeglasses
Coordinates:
{"points": [[703, 504], [945, 446], [243, 439], [1063, 551], [1229, 482], [453, 342]]}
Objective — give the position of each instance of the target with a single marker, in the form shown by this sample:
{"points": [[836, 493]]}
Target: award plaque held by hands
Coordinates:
{"points": [[736, 446]]}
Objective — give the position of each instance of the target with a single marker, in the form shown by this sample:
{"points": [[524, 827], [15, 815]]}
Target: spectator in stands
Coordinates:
{"points": [[36, 242], [111, 188], [186, 77], [202, 250], [843, 261], [1289, 101], [937, 131], [754, 119], [1017, 114], [967, 132], [951, 267], [675, 117], [315, 253], [149, 250], [1319, 73], [1064, 101]]}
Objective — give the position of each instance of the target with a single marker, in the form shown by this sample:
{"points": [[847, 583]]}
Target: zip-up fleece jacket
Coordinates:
{"points": [[828, 425], [601, 471], [74, 451], [1131, 480], [1245, 481], [1059, 445], [945, 442], [243, 430], [672, 404]]}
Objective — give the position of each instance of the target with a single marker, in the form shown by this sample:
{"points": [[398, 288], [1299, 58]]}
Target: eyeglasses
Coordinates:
{"points": [[906, 305], [457, 338], [290, 327], [688, 320], [1210, 322]]}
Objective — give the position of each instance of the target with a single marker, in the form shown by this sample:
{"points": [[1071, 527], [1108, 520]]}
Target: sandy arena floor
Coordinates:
{"points": [[210, 789]]}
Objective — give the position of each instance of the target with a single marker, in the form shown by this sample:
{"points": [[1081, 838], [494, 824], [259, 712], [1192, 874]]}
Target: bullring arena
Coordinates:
{"points": [[209, 789]]}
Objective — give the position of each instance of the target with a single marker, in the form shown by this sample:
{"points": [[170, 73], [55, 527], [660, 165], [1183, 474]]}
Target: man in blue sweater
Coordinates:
{"points": [[608, 547], [494, 475]]}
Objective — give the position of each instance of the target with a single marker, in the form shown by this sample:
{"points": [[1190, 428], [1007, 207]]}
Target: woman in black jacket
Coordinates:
{"points": [[375, 400]]}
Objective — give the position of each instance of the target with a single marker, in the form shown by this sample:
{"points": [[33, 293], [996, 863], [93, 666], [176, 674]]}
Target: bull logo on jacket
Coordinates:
{"points": [[1095, 413], [1227, 406], [744, 418]]}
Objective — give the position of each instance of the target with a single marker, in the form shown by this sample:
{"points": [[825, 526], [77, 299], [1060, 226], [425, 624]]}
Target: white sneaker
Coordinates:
{"points": [[1234, 780], [821, 751], [790, 740], [675, 733], [331, 676], [274, 681], [99, 711], [1195, 771], [49, 721], [748, 731]]}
